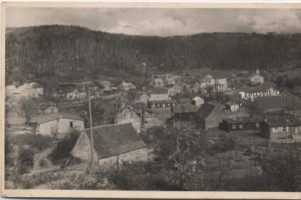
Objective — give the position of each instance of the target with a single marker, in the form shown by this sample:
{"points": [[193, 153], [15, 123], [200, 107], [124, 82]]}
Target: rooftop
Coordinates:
{"points": [[40, 119], [282, 120], [205, 110], [243, 120], [159, 91], [185, 108], [115, 139]]}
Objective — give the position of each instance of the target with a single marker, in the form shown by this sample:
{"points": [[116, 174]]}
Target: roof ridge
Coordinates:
{"points": [[108, 125]]}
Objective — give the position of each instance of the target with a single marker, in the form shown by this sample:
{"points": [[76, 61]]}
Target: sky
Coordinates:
{"points": [[161, 21]]}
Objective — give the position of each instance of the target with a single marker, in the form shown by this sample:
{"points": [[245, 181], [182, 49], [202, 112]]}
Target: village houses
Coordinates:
{"points": [[127, 86], [256, 79]]}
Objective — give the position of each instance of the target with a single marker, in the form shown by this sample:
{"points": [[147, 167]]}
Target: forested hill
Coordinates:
{"points": [[74, 52]]}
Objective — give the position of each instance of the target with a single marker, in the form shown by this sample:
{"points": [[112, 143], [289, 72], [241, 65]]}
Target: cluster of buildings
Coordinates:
{"points": [[259, 108]]}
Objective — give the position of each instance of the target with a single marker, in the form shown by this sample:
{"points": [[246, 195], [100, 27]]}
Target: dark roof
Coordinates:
{"points": [[53, 116], [282, 120], [115, 139], [244, 120], [159, 91], [205, 110], [185, 108], [185, 100], [163, 101], [36, 85]]}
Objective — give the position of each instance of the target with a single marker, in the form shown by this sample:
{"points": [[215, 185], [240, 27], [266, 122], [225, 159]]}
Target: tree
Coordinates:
{"points": [[29, 107], [25, 160], [181, 150]]}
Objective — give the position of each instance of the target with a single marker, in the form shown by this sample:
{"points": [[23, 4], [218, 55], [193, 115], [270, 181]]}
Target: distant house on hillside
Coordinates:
{"points": [[127, 86], [113, 145], [48, 108], [217, 84], [174, 89], [56, 124], [257, 79], [27, 90], [162, 80], [128, 115], [221, 84]]}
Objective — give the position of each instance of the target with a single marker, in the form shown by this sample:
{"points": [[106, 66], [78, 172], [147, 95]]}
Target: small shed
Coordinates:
{"points": [[198, 101]]}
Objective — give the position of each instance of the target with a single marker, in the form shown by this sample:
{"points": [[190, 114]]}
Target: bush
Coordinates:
{"points": [[63, 148], [225, 143], [25, 160], [38, 142]]}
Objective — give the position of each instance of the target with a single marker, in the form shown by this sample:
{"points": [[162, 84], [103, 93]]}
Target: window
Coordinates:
{"points": [[71, 124], [233, 126], [241, 126], [284, 129], [257, 125]]}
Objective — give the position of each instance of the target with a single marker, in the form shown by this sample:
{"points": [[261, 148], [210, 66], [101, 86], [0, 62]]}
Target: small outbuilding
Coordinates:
{"points": [[56, 124], [198, 101]]}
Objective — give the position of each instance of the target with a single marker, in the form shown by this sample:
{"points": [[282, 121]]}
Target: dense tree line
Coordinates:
{"points": [[74, 52]]}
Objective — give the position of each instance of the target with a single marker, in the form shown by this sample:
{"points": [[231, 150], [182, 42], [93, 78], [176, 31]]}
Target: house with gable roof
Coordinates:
{"points": [[113, 144], [56, 124]]}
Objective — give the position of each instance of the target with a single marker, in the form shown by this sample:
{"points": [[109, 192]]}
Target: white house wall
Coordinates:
{"points": [[62, 126], [132, 156]]}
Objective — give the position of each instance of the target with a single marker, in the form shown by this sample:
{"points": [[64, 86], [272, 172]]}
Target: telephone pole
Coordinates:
{"points": [[91, 133]]}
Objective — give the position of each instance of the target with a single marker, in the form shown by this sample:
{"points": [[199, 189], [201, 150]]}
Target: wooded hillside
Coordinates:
{"points": [[72, 52]]}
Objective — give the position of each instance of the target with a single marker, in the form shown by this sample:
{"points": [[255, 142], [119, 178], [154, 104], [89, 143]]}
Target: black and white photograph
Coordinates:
{"points": [[159, 100]]}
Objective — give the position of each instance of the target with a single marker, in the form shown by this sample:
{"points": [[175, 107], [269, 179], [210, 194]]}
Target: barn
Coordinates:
{"points": [[113, 145]]}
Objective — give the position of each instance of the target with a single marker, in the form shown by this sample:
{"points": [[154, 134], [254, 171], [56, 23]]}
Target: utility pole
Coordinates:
{"points": [[91, 133]]}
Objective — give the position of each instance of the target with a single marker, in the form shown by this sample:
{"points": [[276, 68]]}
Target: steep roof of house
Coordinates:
{"points": [[244, 120], [114, 139], [45, 106], [36, 85], [197, 98], [159, 91], [163, 101], [185, 108], [205, 110], [40, 119], [221, 81], [282, 120]]}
